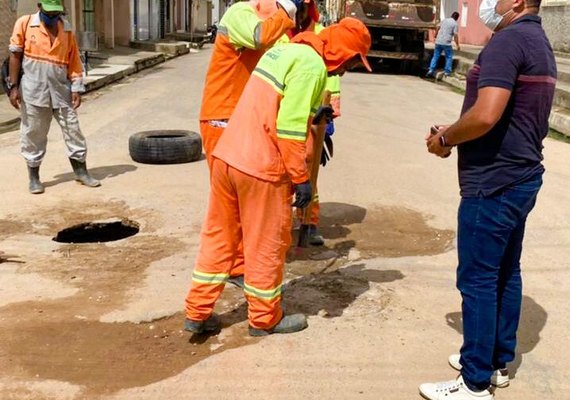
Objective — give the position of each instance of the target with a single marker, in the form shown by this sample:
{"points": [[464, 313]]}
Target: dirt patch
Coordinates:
{"points": [[376, 232], [40, 341], [383, 231], [63, 340], [104, 357], [10, 227], [355, 233]]}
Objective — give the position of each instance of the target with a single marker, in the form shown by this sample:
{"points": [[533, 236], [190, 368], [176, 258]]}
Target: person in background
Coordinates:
{"points": [[446, 32]]}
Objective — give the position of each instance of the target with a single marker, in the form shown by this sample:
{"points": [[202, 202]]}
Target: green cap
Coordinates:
{"points": [[52, 5]]}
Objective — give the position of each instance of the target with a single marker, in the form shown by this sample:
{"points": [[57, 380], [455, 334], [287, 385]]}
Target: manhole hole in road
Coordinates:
{"points": [[98, 231]]}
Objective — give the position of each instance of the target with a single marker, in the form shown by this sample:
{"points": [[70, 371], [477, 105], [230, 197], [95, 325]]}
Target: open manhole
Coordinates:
{"points": [[98, 231]]}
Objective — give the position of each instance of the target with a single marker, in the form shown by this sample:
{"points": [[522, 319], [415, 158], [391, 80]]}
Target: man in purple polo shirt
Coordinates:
{"points": [[499, 138]]}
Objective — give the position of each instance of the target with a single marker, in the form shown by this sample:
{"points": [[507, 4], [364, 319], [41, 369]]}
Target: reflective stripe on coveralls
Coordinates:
{"points": [[203, 277]]}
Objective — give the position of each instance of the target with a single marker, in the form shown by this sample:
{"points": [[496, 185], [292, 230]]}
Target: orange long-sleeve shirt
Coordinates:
{"points": [[242, 39], [266, 136]]}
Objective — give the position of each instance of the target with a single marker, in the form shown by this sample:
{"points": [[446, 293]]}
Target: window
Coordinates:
{"points": [[88, 16]]}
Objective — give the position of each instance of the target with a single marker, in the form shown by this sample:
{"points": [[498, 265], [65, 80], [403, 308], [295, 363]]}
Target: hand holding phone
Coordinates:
{"points": [[434, 130]]}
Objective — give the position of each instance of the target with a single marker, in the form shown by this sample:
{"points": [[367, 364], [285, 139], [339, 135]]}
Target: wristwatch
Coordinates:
{"points": [[11, 85], [443, 142]]}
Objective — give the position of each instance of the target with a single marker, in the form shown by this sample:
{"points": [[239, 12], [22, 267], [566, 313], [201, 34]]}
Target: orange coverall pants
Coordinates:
{"points": [[244, 209], [210, 136]]}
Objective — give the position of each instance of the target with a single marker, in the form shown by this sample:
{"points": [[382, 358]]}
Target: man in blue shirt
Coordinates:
{"points": [[499, 138], [446, 32]]}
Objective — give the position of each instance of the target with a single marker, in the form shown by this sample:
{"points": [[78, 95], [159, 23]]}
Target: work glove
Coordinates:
{"points": [[328, 150], [324, 112], [303, 194], [329, 131], [290, 7]]}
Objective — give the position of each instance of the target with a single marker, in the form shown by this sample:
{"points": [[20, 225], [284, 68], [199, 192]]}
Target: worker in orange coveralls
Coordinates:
{"points": [[309, 20], [246, 31], [256, 165]]}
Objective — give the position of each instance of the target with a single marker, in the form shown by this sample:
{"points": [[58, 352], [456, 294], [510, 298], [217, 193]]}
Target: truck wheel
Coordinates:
{"points": [[165, 147]]}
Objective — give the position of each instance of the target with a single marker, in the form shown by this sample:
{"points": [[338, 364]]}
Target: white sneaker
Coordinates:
{"points": [[453, 390], [499, 379]]}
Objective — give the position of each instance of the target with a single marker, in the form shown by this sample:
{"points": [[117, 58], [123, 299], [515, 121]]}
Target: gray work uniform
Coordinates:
{"points": [[51, 74]]}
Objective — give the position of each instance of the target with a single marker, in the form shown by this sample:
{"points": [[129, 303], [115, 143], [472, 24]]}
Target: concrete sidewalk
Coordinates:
{"points": [[105, 68]]}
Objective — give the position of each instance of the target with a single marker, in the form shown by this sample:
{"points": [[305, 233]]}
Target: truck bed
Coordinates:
{"points": [[413, 14]]}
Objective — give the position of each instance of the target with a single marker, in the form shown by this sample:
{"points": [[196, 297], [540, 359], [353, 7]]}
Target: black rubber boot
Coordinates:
{"points": [[289, 324], [81, 174], [210, 325], [237, 280], [315, 238], [36, 186]]}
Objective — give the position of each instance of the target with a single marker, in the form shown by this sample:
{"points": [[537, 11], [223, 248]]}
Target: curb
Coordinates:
{"points": [[107, 80], [138, 66], [560, 121]]}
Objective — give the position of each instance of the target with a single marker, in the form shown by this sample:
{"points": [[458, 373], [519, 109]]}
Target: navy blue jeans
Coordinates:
{"points": [[489, 243], [440, 48]]}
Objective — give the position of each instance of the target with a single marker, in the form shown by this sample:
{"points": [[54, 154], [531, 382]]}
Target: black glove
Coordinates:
{"points": [[328, 150], [325, 112], [303, 194]]}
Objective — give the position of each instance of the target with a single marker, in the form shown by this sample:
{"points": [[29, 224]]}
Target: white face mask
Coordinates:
{"points": [[489, 15]]}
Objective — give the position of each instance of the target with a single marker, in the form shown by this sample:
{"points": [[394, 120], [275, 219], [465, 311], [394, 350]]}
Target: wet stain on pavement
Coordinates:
{"points": [[354, 233], [383, 231]]}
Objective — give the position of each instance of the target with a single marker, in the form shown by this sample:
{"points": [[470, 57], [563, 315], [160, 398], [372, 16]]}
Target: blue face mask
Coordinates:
{"points": [[49, 20]]}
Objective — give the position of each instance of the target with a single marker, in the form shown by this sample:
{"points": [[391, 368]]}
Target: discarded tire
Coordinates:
{"points": [[165, 147]]}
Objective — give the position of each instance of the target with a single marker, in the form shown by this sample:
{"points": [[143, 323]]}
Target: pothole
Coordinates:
{"points": [[98, 231]]}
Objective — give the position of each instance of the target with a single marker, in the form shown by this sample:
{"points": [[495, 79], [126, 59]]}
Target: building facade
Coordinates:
{"points": [[118, 22], [556, 21], [8, 15], [471, 29]]}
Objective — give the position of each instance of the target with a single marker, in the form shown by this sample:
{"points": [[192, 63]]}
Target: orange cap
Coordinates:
{"points": [[343, 41]]}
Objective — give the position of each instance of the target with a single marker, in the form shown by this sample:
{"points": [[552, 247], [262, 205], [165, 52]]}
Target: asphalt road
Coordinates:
{"points": [[104, 320]]}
